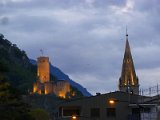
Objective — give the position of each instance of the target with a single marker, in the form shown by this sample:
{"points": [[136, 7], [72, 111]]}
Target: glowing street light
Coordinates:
{"points": [[74, 117], [111, 102]]}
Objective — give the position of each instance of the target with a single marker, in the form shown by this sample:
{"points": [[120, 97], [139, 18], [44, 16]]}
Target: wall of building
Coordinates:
{"points": [[62, 88], [59, 88], [38, 88], [101, 102], [48, 87], [43, 70]]}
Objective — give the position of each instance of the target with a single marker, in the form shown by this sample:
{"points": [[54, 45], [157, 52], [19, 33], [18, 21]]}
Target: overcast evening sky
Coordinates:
{"points": [[86, 38]]}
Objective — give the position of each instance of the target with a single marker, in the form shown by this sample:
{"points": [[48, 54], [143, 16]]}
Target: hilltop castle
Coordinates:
{"points": [[43, 85], [128, 81]]}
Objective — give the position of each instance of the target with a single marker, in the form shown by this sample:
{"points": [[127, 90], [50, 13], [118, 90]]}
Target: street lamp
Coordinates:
{"points": [[111, 102], [74, 117]]}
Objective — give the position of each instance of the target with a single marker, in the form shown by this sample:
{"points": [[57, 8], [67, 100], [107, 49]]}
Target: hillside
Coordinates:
{"points": [[22, 71]]}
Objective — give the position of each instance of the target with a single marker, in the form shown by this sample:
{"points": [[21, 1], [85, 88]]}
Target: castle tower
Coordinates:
{"points": [[128, 82], [43, 85], [43, 72]]}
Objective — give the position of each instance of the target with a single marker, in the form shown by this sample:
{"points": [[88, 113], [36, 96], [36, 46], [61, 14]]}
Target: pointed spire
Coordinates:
{"points": [[127, 48], [128, 75]]}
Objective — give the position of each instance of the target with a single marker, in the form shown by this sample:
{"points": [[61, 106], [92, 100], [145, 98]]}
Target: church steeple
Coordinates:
{"points": [[128, 81]]}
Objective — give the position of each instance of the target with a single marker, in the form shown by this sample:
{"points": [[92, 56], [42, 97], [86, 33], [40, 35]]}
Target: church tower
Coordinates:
{"points": [[128, 82]]}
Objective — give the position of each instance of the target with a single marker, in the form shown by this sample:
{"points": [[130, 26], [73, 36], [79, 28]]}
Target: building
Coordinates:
{"points": [[100, 107], [43, 85], [128, 81], [111, 106]]}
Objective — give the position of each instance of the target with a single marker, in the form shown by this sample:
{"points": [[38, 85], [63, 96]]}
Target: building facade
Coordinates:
{"points": [[110, 106], [43, 71]]}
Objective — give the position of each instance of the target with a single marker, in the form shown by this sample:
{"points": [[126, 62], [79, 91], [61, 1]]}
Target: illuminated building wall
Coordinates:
{"points": [[38, 88], [43, 72], [62, 87], [35, 87], [48, 87]]}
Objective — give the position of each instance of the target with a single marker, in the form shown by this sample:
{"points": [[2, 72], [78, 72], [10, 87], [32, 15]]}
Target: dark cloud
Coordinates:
{"points": [[86, 38]]}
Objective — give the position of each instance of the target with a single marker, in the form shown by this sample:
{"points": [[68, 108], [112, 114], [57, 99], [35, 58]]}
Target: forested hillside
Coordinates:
{"points": [[21, 73]]}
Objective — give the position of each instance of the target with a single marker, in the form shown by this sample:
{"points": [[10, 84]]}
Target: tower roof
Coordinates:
{"points": [[128, 74], [127, 54]]}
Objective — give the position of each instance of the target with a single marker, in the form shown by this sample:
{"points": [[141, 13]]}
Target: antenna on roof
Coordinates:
{"points": [[126, 31], [41, 51]]}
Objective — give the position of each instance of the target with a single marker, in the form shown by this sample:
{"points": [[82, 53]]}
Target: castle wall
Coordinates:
{"points": [[62, 87], [48, 87], [38, 88], [35, 87]]}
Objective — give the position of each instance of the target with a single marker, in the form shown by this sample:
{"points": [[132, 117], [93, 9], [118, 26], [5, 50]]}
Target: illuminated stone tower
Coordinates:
{"points": [[128, 82], [43, 85], [43, 72]]}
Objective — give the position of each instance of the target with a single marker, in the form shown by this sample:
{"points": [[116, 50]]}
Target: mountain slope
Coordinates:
{"points": [[21, 73], [62, 76]]}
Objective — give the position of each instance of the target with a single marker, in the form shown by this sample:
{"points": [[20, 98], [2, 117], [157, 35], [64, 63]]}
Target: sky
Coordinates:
{"points": [[86, 38]]}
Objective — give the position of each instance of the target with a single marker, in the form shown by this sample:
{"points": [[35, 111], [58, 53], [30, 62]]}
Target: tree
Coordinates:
{"points": [[11, 105], [39, 114]]}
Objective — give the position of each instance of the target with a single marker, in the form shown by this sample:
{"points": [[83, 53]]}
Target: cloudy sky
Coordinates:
{"points": [[86, 38]]}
